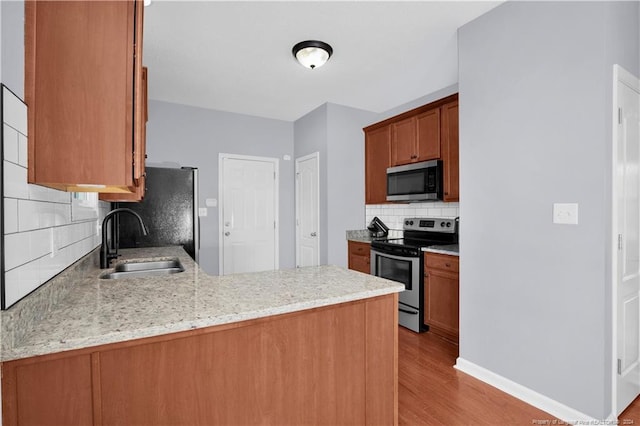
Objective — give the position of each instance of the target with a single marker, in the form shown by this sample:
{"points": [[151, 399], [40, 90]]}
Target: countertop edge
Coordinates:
{"points": [[28, 314], [118, 337], [441, 251]]}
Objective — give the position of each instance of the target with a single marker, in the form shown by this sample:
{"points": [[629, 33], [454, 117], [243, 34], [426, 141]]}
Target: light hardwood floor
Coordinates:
{"points": [[432, 392]]}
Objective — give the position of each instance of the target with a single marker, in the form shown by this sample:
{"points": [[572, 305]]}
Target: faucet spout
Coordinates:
{"points": [[105, 255]]}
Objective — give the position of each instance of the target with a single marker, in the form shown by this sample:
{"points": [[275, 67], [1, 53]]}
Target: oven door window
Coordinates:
{"points": [[394, 269]]}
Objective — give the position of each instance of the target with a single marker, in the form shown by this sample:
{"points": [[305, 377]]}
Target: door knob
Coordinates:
{"points": [[313, 234], [226, 234]]}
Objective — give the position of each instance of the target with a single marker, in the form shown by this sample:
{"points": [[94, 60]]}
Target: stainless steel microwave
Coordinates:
{"points": [[415, 182]]}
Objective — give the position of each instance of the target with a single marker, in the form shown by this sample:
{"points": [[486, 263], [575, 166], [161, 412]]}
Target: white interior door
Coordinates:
{"points": [[307, 211], [248, 228], [627, 220]]}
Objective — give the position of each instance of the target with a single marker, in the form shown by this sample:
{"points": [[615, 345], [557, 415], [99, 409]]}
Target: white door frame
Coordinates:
{"points": [[315, 155], [276, 166], [619, 75]]}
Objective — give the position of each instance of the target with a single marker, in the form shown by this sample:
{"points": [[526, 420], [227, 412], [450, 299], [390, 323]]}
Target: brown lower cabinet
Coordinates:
{"points": [[359, 256], [332, 365], [441, 294]]}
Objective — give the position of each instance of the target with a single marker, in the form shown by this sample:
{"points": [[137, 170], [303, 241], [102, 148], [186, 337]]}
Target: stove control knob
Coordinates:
{"points": [[448, 224], [406, 222], [411, 223], [442, 224]]}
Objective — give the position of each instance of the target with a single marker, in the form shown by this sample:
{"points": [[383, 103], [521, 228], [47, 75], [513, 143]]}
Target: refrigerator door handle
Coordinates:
{"points": [[196, 213]]}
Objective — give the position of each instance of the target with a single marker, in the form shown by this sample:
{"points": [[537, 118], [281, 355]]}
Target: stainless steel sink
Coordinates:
{"points": [[144, 269]]}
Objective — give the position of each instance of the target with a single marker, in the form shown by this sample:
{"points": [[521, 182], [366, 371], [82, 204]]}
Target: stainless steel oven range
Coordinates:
{"points": [[402, 260]]}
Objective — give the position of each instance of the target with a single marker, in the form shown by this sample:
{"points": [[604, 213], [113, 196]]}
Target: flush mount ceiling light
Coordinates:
{"points": [[312, 53]]}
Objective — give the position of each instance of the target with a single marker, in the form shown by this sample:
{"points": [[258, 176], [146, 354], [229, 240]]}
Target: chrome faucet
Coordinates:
{"points": [[106, 255]]}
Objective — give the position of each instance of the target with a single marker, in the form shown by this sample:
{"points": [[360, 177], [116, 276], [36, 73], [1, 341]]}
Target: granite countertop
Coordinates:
{"points": [[451, 249], [77, 309], [364, 236]]}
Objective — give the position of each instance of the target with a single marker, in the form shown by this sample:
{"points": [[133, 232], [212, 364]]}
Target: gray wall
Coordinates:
{"points": [[345, 177], [193, 136], [335, 131], [12, 45], [535, 128]]}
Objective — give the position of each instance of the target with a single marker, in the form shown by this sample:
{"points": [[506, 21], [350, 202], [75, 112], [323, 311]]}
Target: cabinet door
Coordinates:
{"points": [[80, 58], [441, 301], [377, 160], [140, 99], [141, 155], [450, 151], [359, 256], [54, 392], [403, 142], [428, 135]]}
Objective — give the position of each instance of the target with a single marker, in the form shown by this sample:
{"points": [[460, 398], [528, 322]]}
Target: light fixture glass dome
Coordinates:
{"points": [[312, 53]]}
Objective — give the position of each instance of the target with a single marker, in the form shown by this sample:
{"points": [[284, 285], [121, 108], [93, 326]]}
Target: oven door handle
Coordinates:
{"points": [[394, 257], [408, 312]]}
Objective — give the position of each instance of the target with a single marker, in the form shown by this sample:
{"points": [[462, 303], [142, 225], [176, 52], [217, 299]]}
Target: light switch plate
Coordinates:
{"points": [[211, 202], [202, 211], [565, 213]]}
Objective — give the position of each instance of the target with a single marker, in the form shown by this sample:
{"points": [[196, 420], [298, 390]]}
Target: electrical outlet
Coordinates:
{"points": [[202, 211], [565, 213]]}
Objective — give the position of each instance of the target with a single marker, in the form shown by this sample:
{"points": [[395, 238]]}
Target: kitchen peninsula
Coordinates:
{"points": [[310, 345]]}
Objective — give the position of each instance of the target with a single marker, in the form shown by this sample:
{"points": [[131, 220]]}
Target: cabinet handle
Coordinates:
{"points": [[448, 265], [426, 275]]}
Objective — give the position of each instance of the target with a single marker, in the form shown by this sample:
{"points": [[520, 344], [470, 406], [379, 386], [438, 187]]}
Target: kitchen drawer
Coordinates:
{"points": [[359, 255], [360, 263], [441, 261], [359, 248]]}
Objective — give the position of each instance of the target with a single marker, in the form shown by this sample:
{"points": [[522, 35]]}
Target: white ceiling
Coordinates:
{"points": [[236, 56]]}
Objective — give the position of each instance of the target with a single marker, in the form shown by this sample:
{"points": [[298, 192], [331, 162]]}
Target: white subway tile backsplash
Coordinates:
{"points": [[10, 215], [40, 237], [449, 212], [10, 143], [22, 150], [63, 214], [393, 215], [14, 111], [29, 215], [16, 250], [21, 281], [15, 181], [41, 193], [40, 241]]}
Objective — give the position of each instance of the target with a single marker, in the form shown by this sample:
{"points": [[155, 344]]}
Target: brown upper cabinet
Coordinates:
{"points": [[416, 138], [84, 90], [140, 187], [450, 151], [425, 133], [377, 152]]}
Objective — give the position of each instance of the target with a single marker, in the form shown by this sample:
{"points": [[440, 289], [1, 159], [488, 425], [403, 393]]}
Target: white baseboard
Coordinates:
{"points": [[531, 397]]}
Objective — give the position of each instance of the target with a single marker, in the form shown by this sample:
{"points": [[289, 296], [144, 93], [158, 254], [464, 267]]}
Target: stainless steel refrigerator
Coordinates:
{"points": [[169, 211]]}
